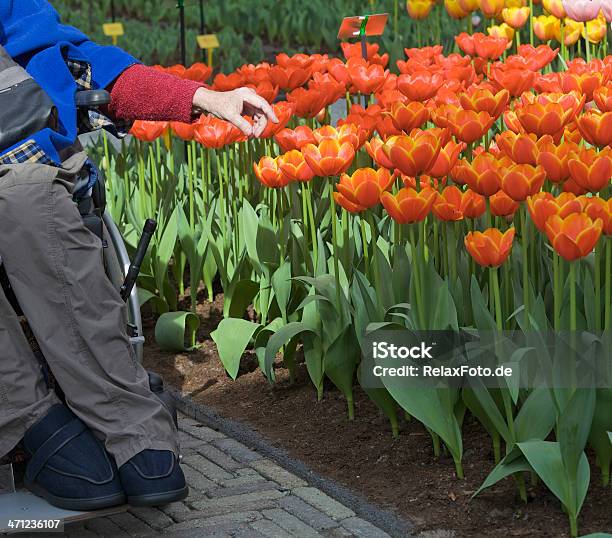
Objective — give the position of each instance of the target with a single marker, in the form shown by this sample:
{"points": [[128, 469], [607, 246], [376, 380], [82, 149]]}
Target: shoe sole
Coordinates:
{"points": [[85, 505], [158, 499]]}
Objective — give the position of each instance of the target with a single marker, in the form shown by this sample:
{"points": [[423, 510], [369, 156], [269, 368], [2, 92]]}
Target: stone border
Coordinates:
{"points": [[385, 520]]}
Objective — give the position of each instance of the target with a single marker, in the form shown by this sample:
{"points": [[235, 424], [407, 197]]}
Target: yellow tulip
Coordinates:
{"points": [[546, 27], [596, 29], [571, 32], [454, 9], [515, 16], [501, 31], [554, 7], [419, 9], [516, 3], [468, 5], [491, 8]]}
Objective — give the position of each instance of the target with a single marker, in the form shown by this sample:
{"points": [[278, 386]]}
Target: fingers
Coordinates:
{"points": [[260, 125], [260, 103], [241, 123]]}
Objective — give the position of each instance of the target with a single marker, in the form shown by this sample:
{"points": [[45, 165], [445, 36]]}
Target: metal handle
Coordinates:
{"points": [[141, 251]]}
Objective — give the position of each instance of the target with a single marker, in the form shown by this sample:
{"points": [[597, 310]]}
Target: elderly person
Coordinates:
{"points": [[113, 441]]}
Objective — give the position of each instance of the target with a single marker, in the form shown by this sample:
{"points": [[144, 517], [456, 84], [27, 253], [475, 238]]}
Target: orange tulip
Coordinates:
{"points": [[516, 16], [448, 204], [574, 236], [422, 183], [408, 116], [198, 72], [294, 166], [185, 131], [421, 85], [490, 248], [585, 82], [554, 159], [482, 99], [502, 205], [347, 132], [288, 78], [541, 119], [419, 9], [353, 50], [363, 188], [415, 153], [366, 78], [454, 9], [307, 103], [297, 138], [522, 180], [469, 126], [514, 79], [147, 131], [521, 148], [603, 98], [544, 205], [598, 208], [270, 175], [491, 8], [283, 111], [409, 206], [473, 205], [215, 133], [329, 158], [591, 170], [446, 160], [374, 147], [596, 127], [483, 174]]}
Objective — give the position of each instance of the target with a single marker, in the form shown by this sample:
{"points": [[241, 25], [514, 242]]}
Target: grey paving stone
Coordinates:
{"points": [[225, 522], [188, 442], [291, 523], [197, 533], [363, 529], [259, 485], [275, 472], [175, 510], [219, 457], [152, 516], [247, 471], [77, 531], [237, 450], [307, 513], [207, 468], [246, 531], [105, 527], [221, 509], [203, 433], [441, 533], [243, 480], [197, 480], [238, 500], [270, 529], [338, 532], [324, 502], [132, 525]]}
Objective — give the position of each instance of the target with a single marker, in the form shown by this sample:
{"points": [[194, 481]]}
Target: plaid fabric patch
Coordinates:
{"points": [[81, 71], [28, 152]]}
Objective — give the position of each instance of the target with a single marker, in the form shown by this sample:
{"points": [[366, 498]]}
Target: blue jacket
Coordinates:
{"points": [[31, 32]]}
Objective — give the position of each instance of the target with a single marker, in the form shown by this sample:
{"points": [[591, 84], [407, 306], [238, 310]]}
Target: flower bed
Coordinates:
{"points": [[468, 191]]}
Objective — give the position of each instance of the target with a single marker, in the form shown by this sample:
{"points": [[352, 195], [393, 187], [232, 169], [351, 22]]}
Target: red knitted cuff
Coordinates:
{"points": [[144, 93]]}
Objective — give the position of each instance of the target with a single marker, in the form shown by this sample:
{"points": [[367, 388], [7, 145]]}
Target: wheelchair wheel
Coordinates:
{"points": [[117, 263]]}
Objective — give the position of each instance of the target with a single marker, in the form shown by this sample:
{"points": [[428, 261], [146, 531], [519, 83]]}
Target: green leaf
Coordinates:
{"points": [[280, 338], [232, 337], [340, 362], [537, 416], [482, 317], [281, 284], [238, 297], [173, 329], [514, 462]]}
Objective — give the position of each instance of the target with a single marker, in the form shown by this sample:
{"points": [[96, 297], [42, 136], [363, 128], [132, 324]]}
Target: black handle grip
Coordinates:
{"points": [[141, 251]]}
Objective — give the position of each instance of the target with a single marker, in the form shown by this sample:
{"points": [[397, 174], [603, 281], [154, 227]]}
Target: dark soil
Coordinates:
{"points": [[401, 474]]}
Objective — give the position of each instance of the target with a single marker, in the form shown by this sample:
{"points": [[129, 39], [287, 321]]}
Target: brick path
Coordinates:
{"points": [[235, 492]]}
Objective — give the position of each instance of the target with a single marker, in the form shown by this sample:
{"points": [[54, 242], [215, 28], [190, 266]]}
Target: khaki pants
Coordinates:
{"points": [[55, 267]]}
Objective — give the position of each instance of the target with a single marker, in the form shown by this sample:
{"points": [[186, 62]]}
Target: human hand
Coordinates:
{"points": [[230, 106]]}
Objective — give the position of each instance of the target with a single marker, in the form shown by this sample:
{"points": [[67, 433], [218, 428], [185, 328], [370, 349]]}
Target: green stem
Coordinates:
{"points": [[416, 280], [557, 291], [525, 256], [334, 224], [608, 285], [597, 285], [498, 310], [364, 239], [572, 276]]}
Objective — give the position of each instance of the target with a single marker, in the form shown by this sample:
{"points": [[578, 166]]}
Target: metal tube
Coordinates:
{"points": [[183, 44]]}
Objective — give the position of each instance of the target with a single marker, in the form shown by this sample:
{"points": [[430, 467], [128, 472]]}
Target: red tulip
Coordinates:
{"points": [[473, 205], [374, 148], [367, 78], [543, 205], [596, 127], [598, 208], [147, 131], [214, 133], [198, 72], [554, 159], [521, 148], [516, 81], [307, 103], [522, 180], [483, 174], [185, 131], [420, 86], [603, 98], [413, 154], [288, 78], [502, 205], [448, 205], [408, 116], [446, 160]]}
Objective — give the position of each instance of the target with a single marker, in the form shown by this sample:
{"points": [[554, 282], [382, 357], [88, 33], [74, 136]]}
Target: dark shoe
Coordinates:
{"points": [[69, 467], [153, 478]]}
